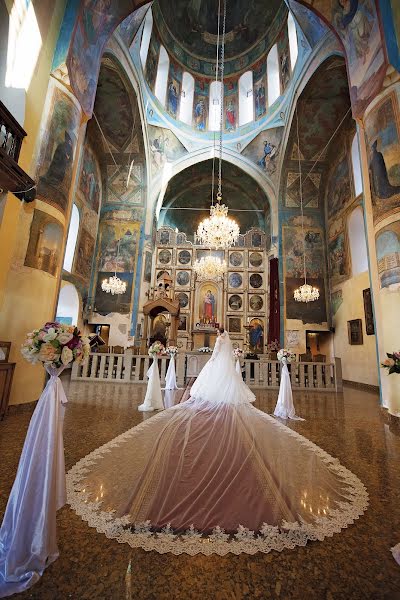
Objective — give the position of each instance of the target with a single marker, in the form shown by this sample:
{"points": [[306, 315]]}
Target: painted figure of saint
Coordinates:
{"points": [[382, 186], [230, 116], [269, 153], [62, 159], [200, 115], [209, 305], [172, 99], [358, 19], [257, 338]]}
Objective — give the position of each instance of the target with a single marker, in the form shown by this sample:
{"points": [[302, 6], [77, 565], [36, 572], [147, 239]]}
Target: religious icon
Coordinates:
{"points": [[269, 154], [200, 114], [173, 98], [256, 336], [209, 306], [230, 115]]}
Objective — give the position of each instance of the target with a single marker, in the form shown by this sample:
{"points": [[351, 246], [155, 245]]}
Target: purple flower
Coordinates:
{"points": [[72, 344], [50, 324]]}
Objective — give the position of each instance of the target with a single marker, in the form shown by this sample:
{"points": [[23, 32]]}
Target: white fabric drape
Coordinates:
{"points": [[284, 407], [396, 553], [28, 541], [170, 378], [153, 398], [238, 368]]}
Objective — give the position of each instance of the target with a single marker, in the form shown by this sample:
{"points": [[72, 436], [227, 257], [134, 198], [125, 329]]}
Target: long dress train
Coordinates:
{"points": [[214, 475]]}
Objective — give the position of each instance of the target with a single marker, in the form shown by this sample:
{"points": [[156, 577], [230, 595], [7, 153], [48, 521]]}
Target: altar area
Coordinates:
{"points": [[238, 302]]}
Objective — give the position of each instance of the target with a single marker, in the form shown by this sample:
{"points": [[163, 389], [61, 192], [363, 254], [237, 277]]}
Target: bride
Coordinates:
{"points": [[214, 475]]}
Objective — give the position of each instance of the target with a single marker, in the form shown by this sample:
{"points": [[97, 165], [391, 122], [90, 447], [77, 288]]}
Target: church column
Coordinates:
{"points": [[33, 281], [379, 137]]}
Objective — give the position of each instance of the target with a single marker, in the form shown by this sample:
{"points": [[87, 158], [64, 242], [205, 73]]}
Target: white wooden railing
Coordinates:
{"points": [[263, 373]]}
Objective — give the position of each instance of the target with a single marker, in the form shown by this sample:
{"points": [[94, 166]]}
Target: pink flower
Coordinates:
{"points": [[389, 362], [66, 356], [48, 353], [64, 338]]}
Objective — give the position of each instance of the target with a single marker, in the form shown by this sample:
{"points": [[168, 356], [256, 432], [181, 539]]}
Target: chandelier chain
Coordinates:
{"points": [[221, 111], [301, 198]]}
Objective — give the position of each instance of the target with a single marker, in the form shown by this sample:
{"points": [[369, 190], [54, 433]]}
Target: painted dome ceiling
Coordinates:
{"points": [[189, 31]]}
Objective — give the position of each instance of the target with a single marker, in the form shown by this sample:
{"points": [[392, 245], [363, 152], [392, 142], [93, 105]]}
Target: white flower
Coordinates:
{"points": [[66, 355], [50, 335], [64, 337]]}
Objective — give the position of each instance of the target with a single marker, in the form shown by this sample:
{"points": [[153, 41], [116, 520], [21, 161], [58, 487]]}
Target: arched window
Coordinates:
{"points": [[246, 98], [274, 89], [68, 305], [355, 159], [358, 245], [215, 106], [187, 93], [72, 238], [146, 36], [160, 90], [292, 33]]}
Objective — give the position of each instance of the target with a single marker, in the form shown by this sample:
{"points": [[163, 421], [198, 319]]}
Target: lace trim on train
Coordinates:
{"points": [[287, 535]]}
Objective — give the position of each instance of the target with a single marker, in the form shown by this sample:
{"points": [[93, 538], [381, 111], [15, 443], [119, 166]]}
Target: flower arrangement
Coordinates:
{"points": [[55, 344], [172, 351], [392, 363], [273, 346], [204, 349], [286, 355], [156, 349], [238, 353]]}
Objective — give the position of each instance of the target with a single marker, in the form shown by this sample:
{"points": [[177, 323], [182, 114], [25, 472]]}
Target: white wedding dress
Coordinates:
{"points": [[214, 474]]}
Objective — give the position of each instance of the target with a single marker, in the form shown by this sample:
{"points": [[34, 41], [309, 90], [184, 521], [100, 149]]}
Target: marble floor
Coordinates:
{"points": [[355, 564]]}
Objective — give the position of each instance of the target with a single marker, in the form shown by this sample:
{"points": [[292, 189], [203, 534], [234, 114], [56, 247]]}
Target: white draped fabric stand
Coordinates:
{"points": [[153, 399], [28, 542], [284, 407], [170, 378]]}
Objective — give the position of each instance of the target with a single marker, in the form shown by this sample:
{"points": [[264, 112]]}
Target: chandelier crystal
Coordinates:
{"points": [[209, 267], [218, 230], [306, 293], [113, 285]]}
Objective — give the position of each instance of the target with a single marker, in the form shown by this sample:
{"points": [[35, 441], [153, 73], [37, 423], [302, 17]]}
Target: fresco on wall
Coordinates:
{"points": [[119, 303], [164, 147], [90, 179], [45, 241], [113, 106], [336, 300], [310, 24], [84, 255], [200, 104], [152, 62], [265, 150], [357, 23], [256, 336], [311, 186], [57, 150], [231, 112], [148, 259], [260, 96], [388, 254], [339, 189], [130, 26], [126, 185], [383, 141], [118, 246], [337, 254], [174, 89], [284, 58]]}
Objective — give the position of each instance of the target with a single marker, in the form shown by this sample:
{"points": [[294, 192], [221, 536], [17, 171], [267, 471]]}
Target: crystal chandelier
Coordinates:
{"points": [[209, 267], [218, 230], [306, 292], [114, 285]]}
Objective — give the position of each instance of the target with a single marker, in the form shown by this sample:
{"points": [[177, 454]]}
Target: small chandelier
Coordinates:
{"points": [[209, 267], [114, 285], [218, 230], [306, 292]]}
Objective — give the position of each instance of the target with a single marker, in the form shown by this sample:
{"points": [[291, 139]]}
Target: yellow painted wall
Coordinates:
{"points": [[27, 295], [358, 362]]}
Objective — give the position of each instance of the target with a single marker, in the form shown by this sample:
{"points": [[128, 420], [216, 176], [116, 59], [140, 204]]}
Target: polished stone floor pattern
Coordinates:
{"points": [[355, 564]]}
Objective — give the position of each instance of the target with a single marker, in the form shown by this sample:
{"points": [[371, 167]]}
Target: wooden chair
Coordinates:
{"points": [[319, 358]]}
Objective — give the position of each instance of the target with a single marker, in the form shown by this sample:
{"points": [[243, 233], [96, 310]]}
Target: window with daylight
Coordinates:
{"points": [[292, 33], [274, 86], [215, 106], [246, 98], [358, 246], [355, 159], [160, 90], [72, 239], [68, 305], [146, 36], [187, 93]]}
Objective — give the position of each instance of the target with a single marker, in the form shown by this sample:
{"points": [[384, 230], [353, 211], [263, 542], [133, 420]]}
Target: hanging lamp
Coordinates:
{"points": [[114, 285], [218, 230], [306, 292]]}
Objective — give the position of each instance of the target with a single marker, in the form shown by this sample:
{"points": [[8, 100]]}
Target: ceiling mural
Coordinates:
{"points": [[265, 151], [190, 32], [164, 147], [311, 25], [193, 187]]}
